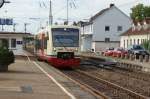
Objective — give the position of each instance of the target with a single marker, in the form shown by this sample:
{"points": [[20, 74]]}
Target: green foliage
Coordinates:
{"points": [[6, 57], [139, 12], [146, 45]]}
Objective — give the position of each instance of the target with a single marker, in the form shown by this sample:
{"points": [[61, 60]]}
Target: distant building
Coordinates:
{"points": [[137, 34], [104, 29], [13, 41]]}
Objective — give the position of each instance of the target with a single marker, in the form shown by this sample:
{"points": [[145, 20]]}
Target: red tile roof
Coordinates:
{"points": [[147, 20], [136, 32]]}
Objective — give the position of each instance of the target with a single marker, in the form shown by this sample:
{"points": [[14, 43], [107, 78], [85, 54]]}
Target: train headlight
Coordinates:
{"points": [[54, 49], [76, 49]]}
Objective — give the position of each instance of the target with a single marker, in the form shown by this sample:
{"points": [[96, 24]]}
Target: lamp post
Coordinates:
{"points": [[25, 30], [25, 27], [14, 27], [67, 11]]}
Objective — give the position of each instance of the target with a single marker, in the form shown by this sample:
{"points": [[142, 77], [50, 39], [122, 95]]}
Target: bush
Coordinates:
{"points": [[6, 57], [146, 45]]}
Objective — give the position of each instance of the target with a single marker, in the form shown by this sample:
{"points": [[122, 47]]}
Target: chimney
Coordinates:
{"points": [[111, 5]]}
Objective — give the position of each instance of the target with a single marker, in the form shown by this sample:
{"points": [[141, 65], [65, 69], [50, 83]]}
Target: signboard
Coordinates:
{"points": [[9, 21], [19, 42], [6, 21]]}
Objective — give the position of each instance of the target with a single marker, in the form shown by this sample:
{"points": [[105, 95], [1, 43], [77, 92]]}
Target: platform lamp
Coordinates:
{"points": [[25, 30], [14, 27]]}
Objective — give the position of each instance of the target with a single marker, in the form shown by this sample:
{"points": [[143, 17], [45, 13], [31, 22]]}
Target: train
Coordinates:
{"points": [[59, 45]]}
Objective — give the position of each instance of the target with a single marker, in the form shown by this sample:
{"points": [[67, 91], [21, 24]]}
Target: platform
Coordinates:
{"points": [[28, 79]]}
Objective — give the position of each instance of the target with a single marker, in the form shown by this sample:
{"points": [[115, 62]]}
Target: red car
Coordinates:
{"points": [[108, 52], [118, 52]]}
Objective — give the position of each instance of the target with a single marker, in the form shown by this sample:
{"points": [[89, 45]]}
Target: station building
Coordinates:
{"points": [[13, 41]]}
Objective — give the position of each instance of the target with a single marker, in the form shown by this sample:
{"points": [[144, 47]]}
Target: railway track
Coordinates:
{"points": [[99, 85], [132, 80], [137, 74], [134, 74], [125, 70]]}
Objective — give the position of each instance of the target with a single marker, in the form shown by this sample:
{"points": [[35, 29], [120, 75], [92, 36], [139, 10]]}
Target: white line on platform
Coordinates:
{"points": [[54, 80], [27, 57]]}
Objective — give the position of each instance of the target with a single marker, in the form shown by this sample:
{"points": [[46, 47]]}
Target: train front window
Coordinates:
{"points": [[65, 37]]}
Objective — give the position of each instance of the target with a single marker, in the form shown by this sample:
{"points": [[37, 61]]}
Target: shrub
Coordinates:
{"points": [[6, 57], [146, 45]]}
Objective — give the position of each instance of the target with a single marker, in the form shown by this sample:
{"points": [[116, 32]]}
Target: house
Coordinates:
{"points": [[104, 29], [13, 41], [137, 34]]}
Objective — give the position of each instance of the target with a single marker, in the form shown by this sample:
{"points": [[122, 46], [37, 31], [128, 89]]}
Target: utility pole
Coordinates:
{"points": [[67, 11], [14, 27], [2, 28], [50, 14], [25, 30], [25, 27]]}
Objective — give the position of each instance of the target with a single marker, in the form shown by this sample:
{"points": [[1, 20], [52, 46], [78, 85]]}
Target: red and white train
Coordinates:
{"points": [[59, 46]]}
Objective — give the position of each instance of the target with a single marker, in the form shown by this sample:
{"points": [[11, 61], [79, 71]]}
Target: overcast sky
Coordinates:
{"points": [[35, 12]]}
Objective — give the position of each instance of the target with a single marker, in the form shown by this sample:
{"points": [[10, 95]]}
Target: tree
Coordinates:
{"points": [[74, 23], [66, 23], [139, 12]]}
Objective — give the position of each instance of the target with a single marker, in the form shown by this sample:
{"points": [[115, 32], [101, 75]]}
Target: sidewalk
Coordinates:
{"points": [[25, 81]]}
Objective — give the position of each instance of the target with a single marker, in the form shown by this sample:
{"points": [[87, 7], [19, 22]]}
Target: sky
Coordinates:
{"points": [[36, 12]]}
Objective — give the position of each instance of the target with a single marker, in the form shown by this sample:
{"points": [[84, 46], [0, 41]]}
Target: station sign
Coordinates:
{"points": [[6, 21], [19, 42]]}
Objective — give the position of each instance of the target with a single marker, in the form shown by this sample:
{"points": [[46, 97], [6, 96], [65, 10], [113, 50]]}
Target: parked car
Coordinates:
{"points": [[137, 50], [118, 52], [108, 51]]}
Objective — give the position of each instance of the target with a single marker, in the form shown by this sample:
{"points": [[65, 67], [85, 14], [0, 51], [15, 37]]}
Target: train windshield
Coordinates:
{"points": [[65, 37]]}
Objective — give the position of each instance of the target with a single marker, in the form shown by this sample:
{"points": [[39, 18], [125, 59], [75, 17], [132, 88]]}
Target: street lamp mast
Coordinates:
{"points": [[50, 14]]}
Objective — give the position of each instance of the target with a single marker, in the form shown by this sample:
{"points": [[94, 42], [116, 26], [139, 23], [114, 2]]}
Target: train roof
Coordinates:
{"points": [[57, 26], [62, 26]]}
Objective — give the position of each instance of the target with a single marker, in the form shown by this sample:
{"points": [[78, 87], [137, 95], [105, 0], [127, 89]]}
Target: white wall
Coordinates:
{"points": [[100, 46], [88, 29], [113, 18], [19, 47], [131, 39], [86, 43]]}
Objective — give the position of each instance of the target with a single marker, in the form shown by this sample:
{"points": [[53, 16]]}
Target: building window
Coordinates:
{"points": [[127, 43], [130, 41], [107, 39], [138, 41], [107, 28], [119, 28], [13, 43], [124, 43], [134, 42]]}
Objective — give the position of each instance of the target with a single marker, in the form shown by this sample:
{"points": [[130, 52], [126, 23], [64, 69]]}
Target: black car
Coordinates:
{"points": [[137, 50]]}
